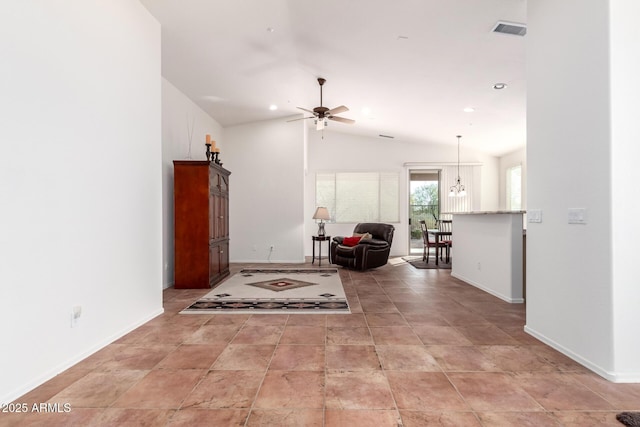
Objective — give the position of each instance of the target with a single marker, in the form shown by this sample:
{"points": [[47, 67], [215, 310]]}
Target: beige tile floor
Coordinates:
{"points": [[420, 348]]}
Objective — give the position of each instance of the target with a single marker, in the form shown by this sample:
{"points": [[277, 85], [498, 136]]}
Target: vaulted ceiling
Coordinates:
{"points": [[404, 68]]}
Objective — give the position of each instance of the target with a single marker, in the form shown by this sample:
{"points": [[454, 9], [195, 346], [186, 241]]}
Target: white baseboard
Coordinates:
{"points": [[13, 395], [488, 290], [615, 377]]}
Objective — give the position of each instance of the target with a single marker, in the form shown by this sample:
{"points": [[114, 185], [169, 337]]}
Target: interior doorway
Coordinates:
{"points": [[424, 204]]}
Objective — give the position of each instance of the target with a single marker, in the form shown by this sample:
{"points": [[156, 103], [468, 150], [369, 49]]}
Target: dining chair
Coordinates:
{"points": [[446, 241], [428, 242]]}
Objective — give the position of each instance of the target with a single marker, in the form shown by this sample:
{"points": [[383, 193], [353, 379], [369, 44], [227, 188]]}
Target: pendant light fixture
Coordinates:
{"points": [[458, 190]]}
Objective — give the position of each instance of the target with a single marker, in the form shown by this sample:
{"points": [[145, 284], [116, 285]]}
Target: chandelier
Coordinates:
{"points": [[458, 190]]}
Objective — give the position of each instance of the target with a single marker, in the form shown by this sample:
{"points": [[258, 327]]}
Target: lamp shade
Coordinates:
{"points": [[322, 213]]}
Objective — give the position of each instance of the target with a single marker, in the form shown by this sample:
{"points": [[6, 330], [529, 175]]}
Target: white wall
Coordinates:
{"points": [[625, 151], [509, 160], [580, 129], [345, 152], [180, 118], [80, 181], [272, 198], [266, 199]]}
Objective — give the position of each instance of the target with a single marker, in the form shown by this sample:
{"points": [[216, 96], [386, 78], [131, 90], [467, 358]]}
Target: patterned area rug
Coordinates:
{"points": [[276, 291]]}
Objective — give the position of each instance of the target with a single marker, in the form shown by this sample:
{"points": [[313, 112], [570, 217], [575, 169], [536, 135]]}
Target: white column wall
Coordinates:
{"points": [[579, 148], [80, 181], [625, 151]]}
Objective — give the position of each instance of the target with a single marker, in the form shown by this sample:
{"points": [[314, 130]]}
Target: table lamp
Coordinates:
{"points": [[323, 215]]}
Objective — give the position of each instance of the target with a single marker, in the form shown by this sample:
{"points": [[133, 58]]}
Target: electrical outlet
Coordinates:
{"points": [[76, 312]]}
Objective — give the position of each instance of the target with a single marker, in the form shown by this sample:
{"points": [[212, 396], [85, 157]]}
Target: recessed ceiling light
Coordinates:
{"points": [[469, 110], [273, 107], [499, 86]]}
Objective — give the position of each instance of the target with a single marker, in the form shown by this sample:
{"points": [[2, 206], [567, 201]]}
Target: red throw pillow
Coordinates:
{"points": [[351, 241]]}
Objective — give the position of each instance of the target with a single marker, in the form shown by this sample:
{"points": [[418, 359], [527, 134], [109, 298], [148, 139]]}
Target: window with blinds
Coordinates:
{"points": [[353, 197]]}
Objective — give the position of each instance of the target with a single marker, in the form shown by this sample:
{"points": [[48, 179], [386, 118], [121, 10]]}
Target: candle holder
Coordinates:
{"points": [[216, 158], [209, 153]]}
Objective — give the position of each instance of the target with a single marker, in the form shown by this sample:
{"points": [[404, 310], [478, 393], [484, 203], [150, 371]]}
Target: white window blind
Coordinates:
{"points": [[353, 197]]}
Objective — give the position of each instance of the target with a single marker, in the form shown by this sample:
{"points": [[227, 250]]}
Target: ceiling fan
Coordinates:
{"points": [[321, 113]]}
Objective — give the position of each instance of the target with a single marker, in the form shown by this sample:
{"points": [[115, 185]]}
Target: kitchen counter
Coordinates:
{"points": [[488, 250]]}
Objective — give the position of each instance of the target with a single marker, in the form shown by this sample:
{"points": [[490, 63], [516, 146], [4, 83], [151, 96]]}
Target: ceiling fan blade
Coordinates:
{"points": [[304, 109], [342, 120], [338, 110], [301, 118]]}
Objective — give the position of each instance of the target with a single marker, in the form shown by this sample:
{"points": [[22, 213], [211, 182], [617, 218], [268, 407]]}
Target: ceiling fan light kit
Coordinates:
{"points": [[321, 124]]}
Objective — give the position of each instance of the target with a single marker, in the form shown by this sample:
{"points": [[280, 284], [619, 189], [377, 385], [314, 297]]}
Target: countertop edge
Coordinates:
{"points": [[486, 213]]}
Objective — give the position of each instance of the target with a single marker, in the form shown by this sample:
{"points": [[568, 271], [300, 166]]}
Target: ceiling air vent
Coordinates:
{"points": [[510, 28]]}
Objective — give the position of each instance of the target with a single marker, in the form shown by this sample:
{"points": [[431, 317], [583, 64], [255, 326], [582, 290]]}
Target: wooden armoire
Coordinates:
{"points": [[201, 202]]}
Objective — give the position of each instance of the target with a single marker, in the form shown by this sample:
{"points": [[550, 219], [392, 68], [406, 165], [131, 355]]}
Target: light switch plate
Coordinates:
{"points": [[534, 215], [577, 216]]}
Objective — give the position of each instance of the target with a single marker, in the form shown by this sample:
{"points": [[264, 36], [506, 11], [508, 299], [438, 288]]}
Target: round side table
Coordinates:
{"points": [[320, 239]]}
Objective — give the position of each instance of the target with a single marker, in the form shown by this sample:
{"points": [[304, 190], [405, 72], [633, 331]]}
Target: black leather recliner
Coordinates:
{"points": [[369, 252]]}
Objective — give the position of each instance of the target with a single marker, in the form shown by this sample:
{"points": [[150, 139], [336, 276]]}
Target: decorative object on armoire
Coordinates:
{"points": [[201, 209], [209, 152], [213, 152], [322, 214], [458, 190], [216, 156], [190, 135]]}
